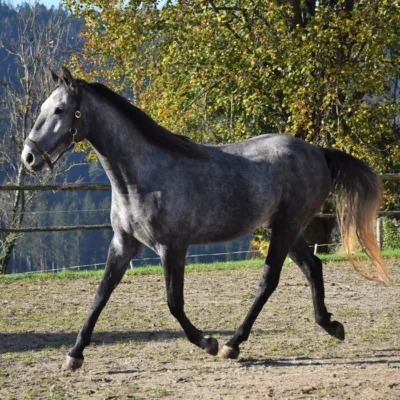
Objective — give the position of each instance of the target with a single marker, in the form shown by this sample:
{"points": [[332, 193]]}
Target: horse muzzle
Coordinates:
{"points": [[32, 159]]}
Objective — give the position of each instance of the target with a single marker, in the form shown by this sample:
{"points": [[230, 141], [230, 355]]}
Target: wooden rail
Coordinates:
{"points": [[78, 186], [380, 214], [105, 187], [389, 177], [72, 186], [58, 228]]}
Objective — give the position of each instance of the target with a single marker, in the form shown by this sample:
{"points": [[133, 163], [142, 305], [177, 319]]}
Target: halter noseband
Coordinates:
{"points": [[46, 155]]}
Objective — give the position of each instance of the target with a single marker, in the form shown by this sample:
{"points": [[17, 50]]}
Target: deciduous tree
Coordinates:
{"points": [[38, 45], [224, 70]]}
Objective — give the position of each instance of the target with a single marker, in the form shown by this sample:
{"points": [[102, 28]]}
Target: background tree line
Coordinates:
{"points": [[225, 70], [218, 71]]}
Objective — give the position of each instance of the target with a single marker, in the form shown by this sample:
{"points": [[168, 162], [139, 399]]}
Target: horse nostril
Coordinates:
{"points": [[30, 159]]}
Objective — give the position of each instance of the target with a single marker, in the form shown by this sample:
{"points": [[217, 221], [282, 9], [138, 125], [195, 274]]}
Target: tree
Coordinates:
{"points": [[41, 40], [223, 70]]}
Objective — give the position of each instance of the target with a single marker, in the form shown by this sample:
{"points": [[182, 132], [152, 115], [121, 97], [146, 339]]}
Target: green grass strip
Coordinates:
{"points": [[153, 270]]}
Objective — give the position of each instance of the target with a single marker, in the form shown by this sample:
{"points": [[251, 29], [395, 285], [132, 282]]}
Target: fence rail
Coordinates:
{"points": [[389, 177], [70, 228], [94, 186], [106, 187], [72, 186], [58, 228], [380, 214]]}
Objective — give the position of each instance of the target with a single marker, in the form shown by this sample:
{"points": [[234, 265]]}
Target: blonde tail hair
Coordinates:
{"points": [[359, 195]]}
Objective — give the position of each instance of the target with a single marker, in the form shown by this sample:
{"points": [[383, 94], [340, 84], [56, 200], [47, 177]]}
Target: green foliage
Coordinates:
{"points": [[260, 241], [221, 71], [391, 233]]}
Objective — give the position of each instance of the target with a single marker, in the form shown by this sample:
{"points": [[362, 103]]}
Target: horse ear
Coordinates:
{"points": [[69, 80], [55, 77]]}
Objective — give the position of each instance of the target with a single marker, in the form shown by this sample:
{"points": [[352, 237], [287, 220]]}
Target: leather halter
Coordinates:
{"points": [[46, 155]]}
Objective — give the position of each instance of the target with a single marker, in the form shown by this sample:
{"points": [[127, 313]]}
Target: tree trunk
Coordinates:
{"points": [[17, 214], [6, 252]]}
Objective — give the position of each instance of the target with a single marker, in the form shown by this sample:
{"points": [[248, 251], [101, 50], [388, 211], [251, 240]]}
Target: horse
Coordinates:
{"points": [[169, 192]]}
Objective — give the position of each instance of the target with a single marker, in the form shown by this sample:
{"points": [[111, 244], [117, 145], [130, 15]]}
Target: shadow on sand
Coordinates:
{"points": [[35, 341], [378, 358]]}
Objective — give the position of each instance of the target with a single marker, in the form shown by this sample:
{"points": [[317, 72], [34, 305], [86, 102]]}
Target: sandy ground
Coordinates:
{"points": [[139, 351]]}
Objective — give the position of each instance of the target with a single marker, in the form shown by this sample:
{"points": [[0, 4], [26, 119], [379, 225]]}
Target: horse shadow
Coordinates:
{"points": [[36, 341], [368, 359]]}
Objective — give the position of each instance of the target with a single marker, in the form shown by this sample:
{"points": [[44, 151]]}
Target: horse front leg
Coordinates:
{"points": [[174, 267], [122, 249]]}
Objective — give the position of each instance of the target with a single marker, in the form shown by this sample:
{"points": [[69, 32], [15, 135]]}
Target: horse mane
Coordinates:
{"points": [[149, 128]]}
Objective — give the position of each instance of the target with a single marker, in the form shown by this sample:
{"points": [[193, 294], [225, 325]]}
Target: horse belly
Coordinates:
{"points": [[232, 220]]}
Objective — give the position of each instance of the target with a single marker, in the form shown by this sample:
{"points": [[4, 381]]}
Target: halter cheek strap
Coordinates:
{"points": [[73, 133]]}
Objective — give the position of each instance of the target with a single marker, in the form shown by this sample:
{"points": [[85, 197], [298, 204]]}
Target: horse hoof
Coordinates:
{"points": [[229, 352], [72, 363], [336, 329], [339, 330], [210, 345]]}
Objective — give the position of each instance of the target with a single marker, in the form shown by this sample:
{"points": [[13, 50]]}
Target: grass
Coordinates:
{"points": [[154, 270]]}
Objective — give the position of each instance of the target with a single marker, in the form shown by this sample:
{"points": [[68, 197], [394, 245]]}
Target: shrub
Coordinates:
{"points": [[391, 233]]}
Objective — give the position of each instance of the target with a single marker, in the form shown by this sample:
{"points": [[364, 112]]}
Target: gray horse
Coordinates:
{"points": [[169, 192]]}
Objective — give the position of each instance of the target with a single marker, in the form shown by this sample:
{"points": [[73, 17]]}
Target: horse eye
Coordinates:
{"points": [[58, 110]]}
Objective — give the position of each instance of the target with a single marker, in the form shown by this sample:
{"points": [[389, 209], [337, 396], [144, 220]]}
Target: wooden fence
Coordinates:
{"points": [[71, 187]]}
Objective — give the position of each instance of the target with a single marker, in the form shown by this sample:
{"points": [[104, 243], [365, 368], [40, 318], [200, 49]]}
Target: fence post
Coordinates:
{"points": [[315, 248], [379, 232]]}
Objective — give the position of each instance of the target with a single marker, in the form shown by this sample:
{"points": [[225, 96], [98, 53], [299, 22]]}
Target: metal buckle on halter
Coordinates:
{"points": [[46, 156], [74, 133]]}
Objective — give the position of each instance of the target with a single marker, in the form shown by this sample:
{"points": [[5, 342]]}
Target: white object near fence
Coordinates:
{"points": [[379, 232]]}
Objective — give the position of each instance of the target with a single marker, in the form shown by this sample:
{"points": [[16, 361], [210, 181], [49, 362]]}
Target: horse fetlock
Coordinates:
{"points": [[210, 345], [72, 363], [228, 352]]}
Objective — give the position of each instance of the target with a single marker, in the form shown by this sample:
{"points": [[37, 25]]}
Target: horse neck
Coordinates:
{"points": [[117, 143]]}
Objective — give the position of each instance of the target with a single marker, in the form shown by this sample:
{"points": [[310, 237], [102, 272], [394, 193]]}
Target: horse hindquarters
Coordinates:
{"points": [[306, 186]]}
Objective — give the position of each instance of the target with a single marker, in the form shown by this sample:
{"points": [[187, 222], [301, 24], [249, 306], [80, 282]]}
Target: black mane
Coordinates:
{"points": [[149, 128]]}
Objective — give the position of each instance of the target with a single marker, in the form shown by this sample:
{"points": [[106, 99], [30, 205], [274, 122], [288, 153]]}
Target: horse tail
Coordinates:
{"points": [[358, 196]]}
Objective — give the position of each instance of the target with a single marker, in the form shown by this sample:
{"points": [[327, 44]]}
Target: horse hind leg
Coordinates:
{"points": [[311, 266], [282, 238]]}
